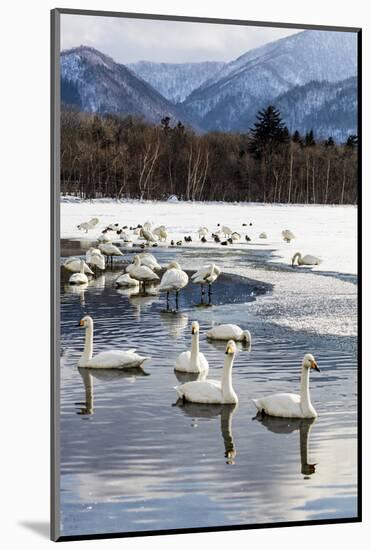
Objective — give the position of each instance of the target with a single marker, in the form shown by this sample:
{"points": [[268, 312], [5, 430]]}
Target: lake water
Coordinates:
{"points": [[133, 460]]}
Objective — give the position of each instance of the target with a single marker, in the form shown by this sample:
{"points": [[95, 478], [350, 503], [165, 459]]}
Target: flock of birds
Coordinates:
{"points": [[145, 270], [205, 390]]}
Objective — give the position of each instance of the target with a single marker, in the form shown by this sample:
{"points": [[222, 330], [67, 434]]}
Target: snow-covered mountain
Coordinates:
{"points": [[176, 81], [93, 82], [261, 75], [330, 108], [309, 76]]}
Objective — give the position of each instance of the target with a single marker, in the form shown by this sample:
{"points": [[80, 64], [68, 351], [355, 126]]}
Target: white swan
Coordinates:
{"points": [[227, 231], [110, 250], [206, 275], [126, 280], [173, 280], [203, 232], [194, 360], [148, 259], [229, 332], [212, 391], [79, 278], [95, 258], [308, 259], [161, 233], [113, 359], [140, 272], [147, 235], [74, 264], [288, 235], [290, 405], [104, 238]]}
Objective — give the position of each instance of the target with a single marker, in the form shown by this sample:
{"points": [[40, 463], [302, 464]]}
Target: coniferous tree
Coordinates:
{"points": [[268, 133], [309, 139], [329, 142], [296, 137], [352, 141]]}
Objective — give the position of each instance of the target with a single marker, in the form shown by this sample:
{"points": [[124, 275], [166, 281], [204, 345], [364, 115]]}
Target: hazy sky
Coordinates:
{"points": [[129, 40]]}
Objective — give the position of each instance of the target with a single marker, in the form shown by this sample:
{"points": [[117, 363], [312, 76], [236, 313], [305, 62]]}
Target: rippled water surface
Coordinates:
{"points": [[132, 460]]}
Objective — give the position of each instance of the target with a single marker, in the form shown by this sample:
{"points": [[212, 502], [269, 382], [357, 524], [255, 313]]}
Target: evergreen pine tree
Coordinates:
{"points": [[268, 133], [352, 141], [309, 139]]}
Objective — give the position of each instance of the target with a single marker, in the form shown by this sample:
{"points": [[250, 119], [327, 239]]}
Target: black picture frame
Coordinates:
{"points": [[55, 271]]}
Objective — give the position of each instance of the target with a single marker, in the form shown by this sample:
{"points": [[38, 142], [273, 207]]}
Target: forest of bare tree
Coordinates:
{"points": [[110, 156]]}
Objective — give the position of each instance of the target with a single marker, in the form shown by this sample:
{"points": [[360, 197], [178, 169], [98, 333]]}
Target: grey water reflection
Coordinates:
{"points": [[198, 411], [287, 426]]}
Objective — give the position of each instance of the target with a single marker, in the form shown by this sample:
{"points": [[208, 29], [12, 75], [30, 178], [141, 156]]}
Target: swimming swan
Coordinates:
{"points": [[212, 391], [229, 332], [290, 405], [79, 278], [194, 360], [308, 259], [74, 264], [112, 359]]}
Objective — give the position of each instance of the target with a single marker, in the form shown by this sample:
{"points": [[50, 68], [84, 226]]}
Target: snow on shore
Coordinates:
{"points": [[326, 231]]}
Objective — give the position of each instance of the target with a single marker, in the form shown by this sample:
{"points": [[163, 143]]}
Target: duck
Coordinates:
{"points": [[112, 359], [229, 332], [206, 275], [247, 238], [212, 391], [203, 239], [288, 235], [74, 264], [193, 361], [308, 259], [79, 278], [263, 235], [290, 405], [173, 280], [126, 280], [141, 273]]}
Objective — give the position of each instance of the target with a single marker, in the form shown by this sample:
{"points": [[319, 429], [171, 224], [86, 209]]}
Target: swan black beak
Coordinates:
{"points": [[315, 367]]}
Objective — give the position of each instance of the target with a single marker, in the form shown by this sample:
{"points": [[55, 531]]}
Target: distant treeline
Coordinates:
{"points": [[111, 156]]}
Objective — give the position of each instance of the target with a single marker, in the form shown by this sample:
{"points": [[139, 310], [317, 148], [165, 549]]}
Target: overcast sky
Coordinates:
{"points": [[130, 40]]}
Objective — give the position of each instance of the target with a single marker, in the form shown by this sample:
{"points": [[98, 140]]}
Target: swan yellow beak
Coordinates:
{"points": [[229, 349], [82, 322], [314, 366]]}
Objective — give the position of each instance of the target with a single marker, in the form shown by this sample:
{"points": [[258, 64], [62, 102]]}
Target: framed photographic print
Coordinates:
{"points": [[205, 236]]}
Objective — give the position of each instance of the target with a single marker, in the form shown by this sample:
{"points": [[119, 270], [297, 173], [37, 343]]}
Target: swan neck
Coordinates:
{"points": [[304, 391], [226, 382], [88, 348], [195, 347]]}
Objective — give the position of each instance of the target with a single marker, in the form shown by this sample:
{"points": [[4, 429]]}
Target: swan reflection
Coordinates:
{"points": [[77, 290], [107, 375], [208, 412], [184, 377], [279, 425], [175, 323]]}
